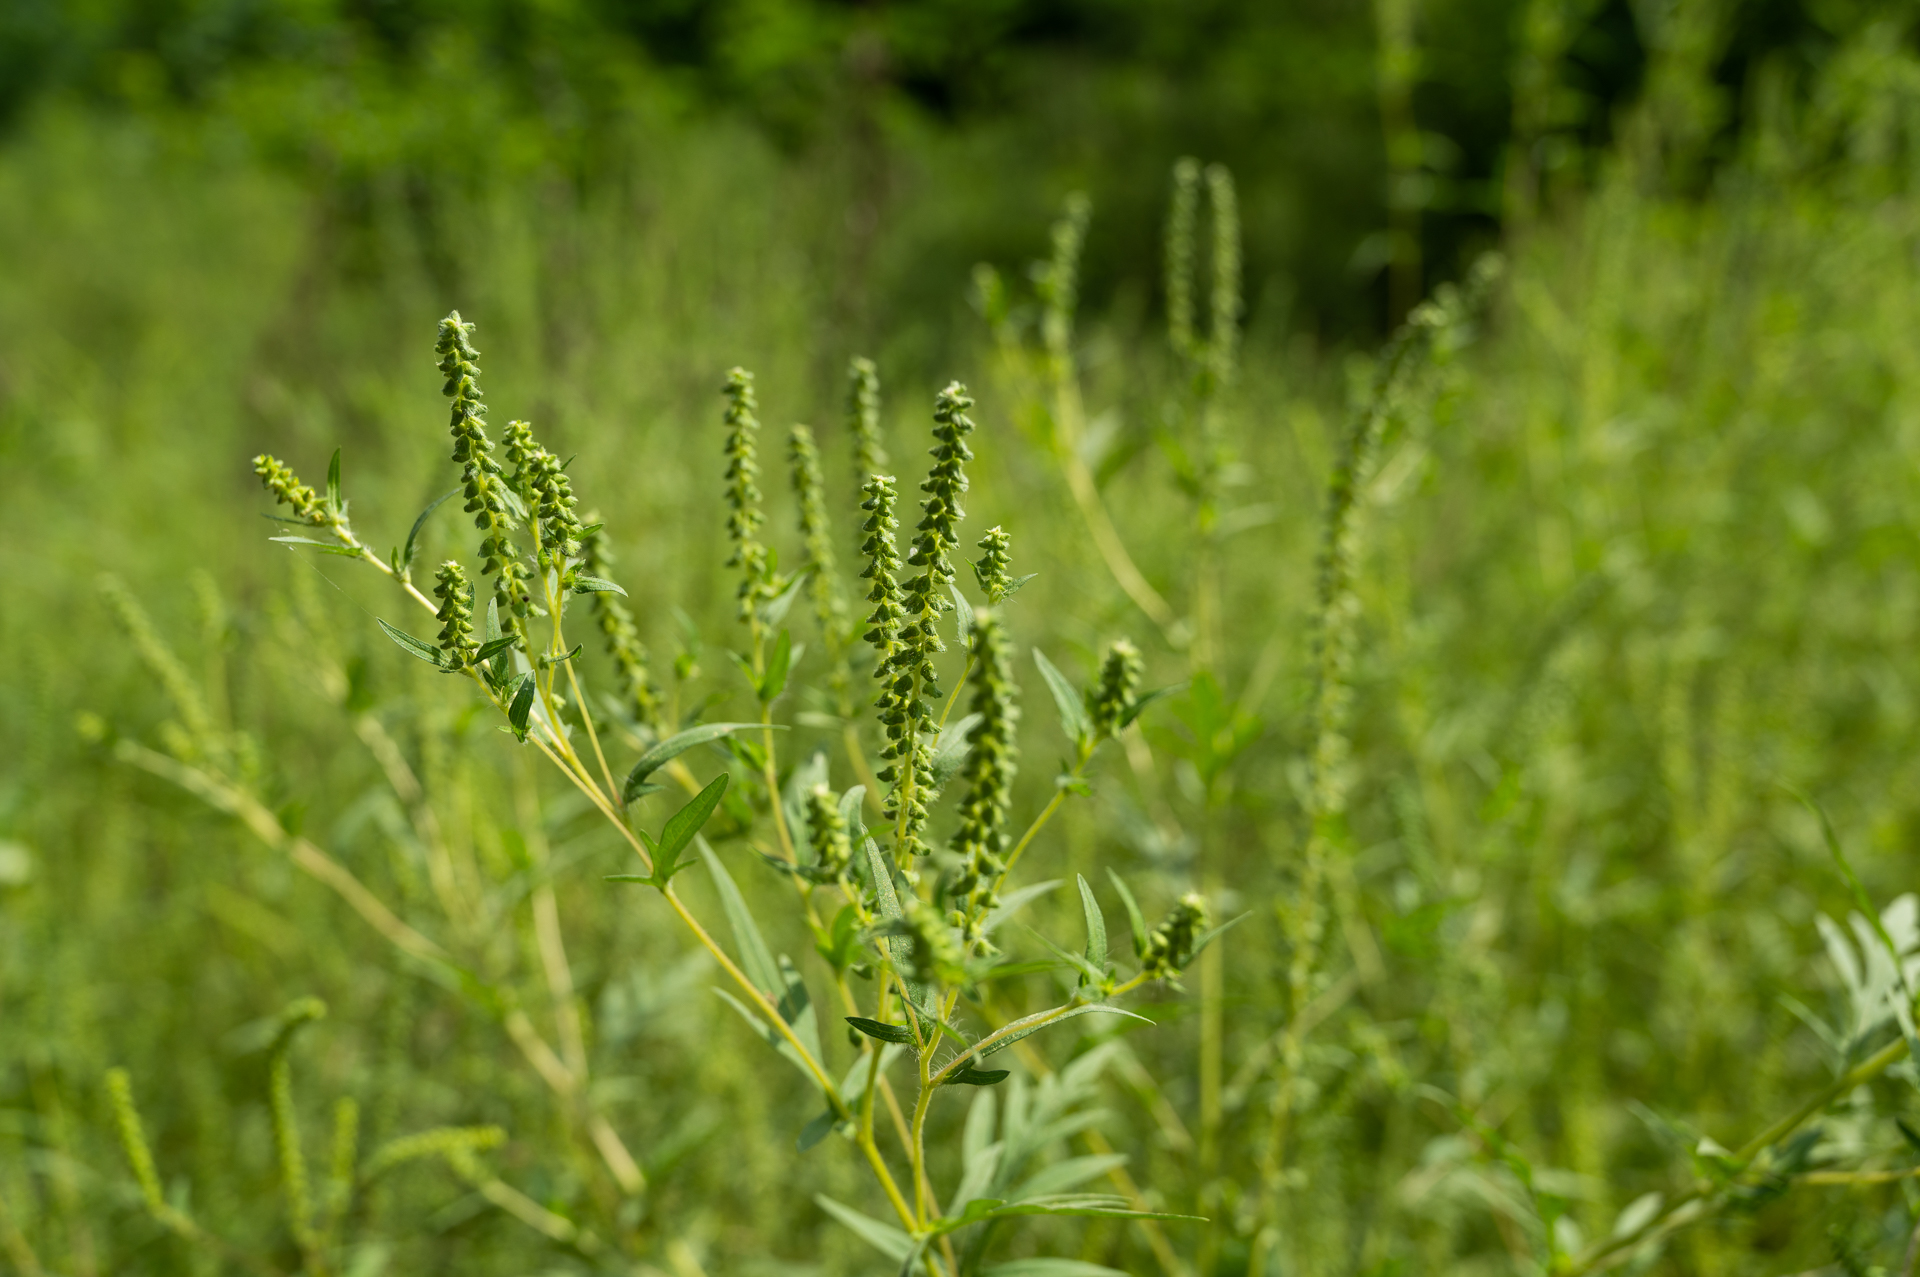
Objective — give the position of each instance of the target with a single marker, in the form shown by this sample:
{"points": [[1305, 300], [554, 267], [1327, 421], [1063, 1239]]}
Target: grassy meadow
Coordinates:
{"points": [[1539, 695]]}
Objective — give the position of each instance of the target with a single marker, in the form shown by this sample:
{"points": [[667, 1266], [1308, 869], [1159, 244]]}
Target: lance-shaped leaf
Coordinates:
{"points": [[1014, 901], [899, 1033], [596, 585], [1092, 1008], [779, 664], [1092, 1205], [413, 646], [685, 824], [413, 533], [522, 706], [885, 1238], [975, 1077], [1096, 928], [334, 503], [664, 752], [1134, 917], [755, 958], [1048, 1266], [1066, 698]]}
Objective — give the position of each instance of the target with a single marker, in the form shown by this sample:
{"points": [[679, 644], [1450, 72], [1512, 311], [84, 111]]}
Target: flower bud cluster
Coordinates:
{"points": [[288, 490], [938, 955], [617, 630], [827, 833], [989, 771], [455, 614], [808, 485], [990, 569], [488, 498], [1112, 698], [1170, 945], [863, 418], [744, 516]]}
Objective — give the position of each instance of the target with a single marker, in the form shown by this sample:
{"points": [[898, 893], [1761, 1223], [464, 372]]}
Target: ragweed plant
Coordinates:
{"points": [[910, 923]]}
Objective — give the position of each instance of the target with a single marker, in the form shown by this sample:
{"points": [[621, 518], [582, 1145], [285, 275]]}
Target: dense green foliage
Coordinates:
{"points": [[1502, 658]]}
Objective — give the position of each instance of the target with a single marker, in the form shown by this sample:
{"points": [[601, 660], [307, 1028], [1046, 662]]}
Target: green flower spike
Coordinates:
{"points": [[1110, 700], [287, 489], [1170, 945], [990, 569], [863, 419], [617, 630], [827, 830], [743, 498], [989, 771], [489, 499], [938, 955], [456, 614]]}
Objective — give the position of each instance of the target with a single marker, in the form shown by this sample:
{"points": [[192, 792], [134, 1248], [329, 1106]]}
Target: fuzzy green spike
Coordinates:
{"points": [[1110, 699], [744, 515], [989, 772], [618, 631], [285, 485], [827, 831], [488, 498], [991, 568], [1223, 330], [456, 614], [1170, 945], [863, 419], [1180, 223]]}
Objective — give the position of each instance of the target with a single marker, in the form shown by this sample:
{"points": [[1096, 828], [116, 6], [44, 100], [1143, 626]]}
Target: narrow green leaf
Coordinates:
{"points": [[522, 705], [1096, 927], [333, 483], [663, 752], [492, 648], [779, 664], [1013, 902], [1066, 698], [646, 878], [771, 1036], [951, 747], [970, 1076], [885, 1032], [962, 614], [596, 585], [1092, 1008], [324, 545], [1134, 918], [1207, 937], [413, 646], [686, 823], [1046, 1267], [816, 1130], [1158, 693], [548, 662], [413, 534], [884, 1238], [1013, 585], [796, 1008], [1068, 1173], [755, 958], [775, 609]]}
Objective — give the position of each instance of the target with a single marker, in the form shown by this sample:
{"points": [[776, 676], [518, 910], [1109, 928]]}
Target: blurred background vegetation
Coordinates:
{"points": [[1641, 555]]}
